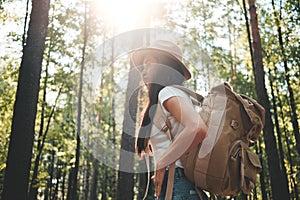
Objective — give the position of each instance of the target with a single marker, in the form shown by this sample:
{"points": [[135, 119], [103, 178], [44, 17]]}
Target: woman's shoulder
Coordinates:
{"points": [[171, 91]]}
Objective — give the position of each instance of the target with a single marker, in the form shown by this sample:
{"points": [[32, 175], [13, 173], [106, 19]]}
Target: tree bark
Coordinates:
{"points": [[73, 193], [294, 186], [104, 182], [48, 188], [70, 183], [279, 190], [262, 174], [33, 191], [86, 179], [279, 133], [58, 177], [125, 179], [25, 25], [22, 135], [94, 180], [288, 81], [112, 122], [63, 184]]}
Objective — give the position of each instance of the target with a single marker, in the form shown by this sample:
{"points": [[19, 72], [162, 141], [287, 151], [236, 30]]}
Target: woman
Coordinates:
{"points": [[161, 67]]}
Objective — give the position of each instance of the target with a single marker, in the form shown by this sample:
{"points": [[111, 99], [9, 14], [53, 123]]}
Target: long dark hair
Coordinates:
{"points": [[166, 78]]}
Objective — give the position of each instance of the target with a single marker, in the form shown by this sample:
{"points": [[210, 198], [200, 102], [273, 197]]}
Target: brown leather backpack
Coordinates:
{"points": [[223, 164]]}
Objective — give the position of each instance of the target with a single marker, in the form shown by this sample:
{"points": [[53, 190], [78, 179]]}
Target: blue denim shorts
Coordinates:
{"points": [[183, 189]]}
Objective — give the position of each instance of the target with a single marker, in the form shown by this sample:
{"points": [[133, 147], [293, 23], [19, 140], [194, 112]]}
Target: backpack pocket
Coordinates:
{"points": [[231, 183], [243, 167], [250, 167]]}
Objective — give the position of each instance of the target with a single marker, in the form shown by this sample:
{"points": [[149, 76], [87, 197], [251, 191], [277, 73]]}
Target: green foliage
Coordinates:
{"points": [[217, 48], [8, 83]]}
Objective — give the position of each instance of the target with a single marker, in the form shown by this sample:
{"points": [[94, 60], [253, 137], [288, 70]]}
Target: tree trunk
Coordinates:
{"points": [[262, 173], [248, 30], [86, 178], [279, 190], [63, 183], [289, 151], [40, 146], [103, 167], [22, 135], [33, 190], [94, 180], [142, 181], [58, 176], [70, 183], [112, 122], [73, 187], [33, 187], [287, 76], [48, 190], [104, 182], [125, 180], [25, 25], [279, 134], [73, 194], [231, 52]]}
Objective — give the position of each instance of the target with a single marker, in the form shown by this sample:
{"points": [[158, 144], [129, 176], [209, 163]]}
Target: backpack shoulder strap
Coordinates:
{"points": [[161, 121], [170, 183], [195, 96]]}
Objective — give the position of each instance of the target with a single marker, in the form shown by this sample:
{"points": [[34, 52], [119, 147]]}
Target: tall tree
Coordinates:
{"points": [[73, 187], [278, 20], [125, 179], [33, 189], [279, 133], [279, 191], [25, 24], [94, 180], [22, 132]]}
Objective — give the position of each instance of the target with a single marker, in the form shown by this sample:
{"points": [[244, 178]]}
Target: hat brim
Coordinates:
{"points": [[137, 57]]}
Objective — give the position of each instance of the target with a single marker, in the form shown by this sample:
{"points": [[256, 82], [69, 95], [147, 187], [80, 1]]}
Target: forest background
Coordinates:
{"points": [[50, 51]]}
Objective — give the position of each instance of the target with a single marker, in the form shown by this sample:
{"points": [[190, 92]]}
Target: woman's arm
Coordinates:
{"points": [[193, 133]]}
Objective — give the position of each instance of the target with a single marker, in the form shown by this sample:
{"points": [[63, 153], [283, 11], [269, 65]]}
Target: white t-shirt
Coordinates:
{"points": [[160, 141]]}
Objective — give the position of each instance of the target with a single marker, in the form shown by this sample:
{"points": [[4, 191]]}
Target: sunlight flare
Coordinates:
{"points": [[124, 15]]}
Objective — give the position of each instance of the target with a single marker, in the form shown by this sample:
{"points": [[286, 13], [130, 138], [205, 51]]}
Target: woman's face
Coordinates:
{"points": [[154, 72], [150, 68]]}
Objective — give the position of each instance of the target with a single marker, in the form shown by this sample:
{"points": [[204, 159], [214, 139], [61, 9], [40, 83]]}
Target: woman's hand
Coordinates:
{"points": [[158, 179]]}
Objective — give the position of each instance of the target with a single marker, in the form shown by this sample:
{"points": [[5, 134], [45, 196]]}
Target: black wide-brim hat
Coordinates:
{"points": [[163, 47]]}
